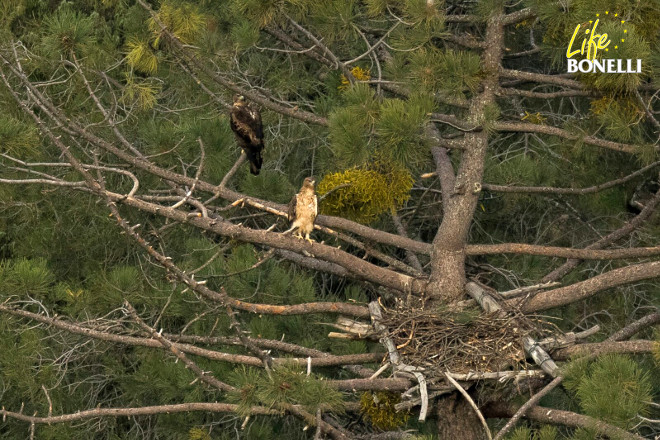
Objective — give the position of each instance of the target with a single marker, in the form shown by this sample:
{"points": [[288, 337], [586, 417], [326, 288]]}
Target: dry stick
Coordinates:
{"points": [[471, 402], [201, 374], [570, 338], [395, 358], [197, 174], [412, 258], [530, 403], [566, 418], [626, 229], [525, 127], [247, 343], [132, 412], [233, 170], [599, 348], [635, 327], [320, 358], [532, 347], [512, 293], [572, 191], [589, 287], [50, 403], [649, 114]]}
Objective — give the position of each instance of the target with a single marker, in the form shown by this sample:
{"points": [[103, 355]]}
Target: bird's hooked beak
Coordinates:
{"points": [[239, 99]]}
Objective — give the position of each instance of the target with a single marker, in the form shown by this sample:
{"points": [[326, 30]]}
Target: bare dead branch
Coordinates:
{"points": [[572, 191], [635, 327], [136, 412], [560, 417], [599, 348], [522, 127], [192, 366], [584, 289]]}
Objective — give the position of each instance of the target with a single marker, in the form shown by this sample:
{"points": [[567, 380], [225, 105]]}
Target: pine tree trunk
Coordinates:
{"points": [[448, 257], [457, 420]]}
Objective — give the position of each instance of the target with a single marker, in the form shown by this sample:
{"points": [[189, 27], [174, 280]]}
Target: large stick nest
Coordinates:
{"points": [[460, 342]]}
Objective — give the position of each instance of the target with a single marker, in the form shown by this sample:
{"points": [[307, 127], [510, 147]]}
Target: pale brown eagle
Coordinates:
{"points": [[246, 124], [303, 209]]}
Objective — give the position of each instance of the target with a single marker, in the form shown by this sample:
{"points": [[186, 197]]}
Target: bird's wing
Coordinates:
{"points": [[316, 206], [241, 122], [292, 208], [257, 125]]}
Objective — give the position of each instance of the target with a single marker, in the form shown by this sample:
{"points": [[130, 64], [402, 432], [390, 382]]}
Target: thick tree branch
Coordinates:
{"points": [[323, 361], [135, 412], [522, 127], [635, 327], [584, 289], [599, 348], [558, 417], [626, 229], [571, 191], [201, 374]]}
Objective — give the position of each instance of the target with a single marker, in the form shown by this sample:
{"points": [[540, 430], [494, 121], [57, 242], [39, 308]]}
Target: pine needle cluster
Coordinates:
{"points": [[524, 433], [620, 116], [67, 32], [390, 128], [283, 385], [613, 388], [183, 20], [18, 138]]}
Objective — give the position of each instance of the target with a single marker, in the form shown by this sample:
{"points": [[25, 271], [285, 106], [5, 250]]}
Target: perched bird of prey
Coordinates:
{"points": [[303, 209], [246, 124]]}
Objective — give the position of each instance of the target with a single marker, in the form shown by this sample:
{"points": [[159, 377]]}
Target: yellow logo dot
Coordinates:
{"points": [[616, 15], [622, 40], [597, 15], [607, 12], [616, 47], [607, 50], [587, 31], [625, 31]]}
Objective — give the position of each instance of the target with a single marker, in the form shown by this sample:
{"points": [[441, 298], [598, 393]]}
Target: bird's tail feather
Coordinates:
{"points": [[255, 161]]}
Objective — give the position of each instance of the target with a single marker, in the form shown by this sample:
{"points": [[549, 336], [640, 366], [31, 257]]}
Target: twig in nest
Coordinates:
{"points": [[471, 402]]}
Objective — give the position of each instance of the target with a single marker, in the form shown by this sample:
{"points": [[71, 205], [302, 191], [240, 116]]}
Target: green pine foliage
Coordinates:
{"points": [[183, 19], [283, 385], [523, 433], [68, 32], [18, 138], [613, 388], [619, 115], [452, 73], [60, 252], [25, 277]]}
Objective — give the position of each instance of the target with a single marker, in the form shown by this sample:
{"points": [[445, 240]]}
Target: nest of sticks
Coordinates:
{"points": [[467, 341]]}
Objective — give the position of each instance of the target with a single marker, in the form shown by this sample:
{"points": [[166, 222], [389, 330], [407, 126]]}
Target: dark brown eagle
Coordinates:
{"points": [[246, 124], [303, 209]]}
